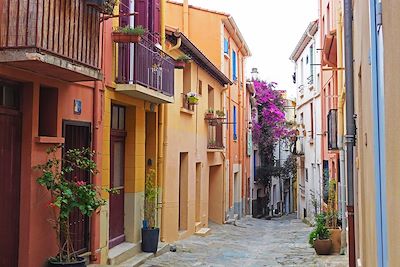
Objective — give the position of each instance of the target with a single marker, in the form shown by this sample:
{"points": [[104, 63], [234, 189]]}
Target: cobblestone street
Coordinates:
{"points": [[252, 242]]}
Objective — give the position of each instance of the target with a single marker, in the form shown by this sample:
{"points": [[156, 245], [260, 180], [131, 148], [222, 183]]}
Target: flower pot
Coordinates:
{"points": [[79, 263], [209, 116], [118, 37], [336, 237], [193, 100], [150, 239], [323, 247], [180, 64]]}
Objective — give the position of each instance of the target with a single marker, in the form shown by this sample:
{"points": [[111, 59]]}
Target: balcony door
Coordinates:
{"points": [[117, 176]]}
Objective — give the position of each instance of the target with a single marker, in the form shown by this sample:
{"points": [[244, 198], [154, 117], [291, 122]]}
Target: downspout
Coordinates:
{"points": [[162, 122], [341, 94], [378, 106], [185, 17], [350, 125]]}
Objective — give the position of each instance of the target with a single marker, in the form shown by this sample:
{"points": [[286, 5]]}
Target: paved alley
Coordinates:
{"points": [[252, 242]]}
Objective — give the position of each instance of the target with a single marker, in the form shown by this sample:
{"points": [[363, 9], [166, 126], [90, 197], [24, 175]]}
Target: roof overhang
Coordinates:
{"points": [[197, 56], [234, 31], [305, 39]]}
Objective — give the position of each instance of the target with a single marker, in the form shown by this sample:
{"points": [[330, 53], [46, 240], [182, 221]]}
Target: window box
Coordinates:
{"points": [[128, 34]]}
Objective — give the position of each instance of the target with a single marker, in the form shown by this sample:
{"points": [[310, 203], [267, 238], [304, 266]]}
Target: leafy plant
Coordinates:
{"points": [[220, 113], [138, 30], [67, 194], [184, 58], [320, 231], [210, 111], [150, 198]]}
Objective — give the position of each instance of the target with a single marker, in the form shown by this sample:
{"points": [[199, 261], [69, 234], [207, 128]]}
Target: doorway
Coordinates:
{"points": [[77, 136], [117, 176], [10, 155], [183, 191], [198, 192], [216, 194]]}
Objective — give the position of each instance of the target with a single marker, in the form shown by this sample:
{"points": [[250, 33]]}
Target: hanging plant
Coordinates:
{"points": [[128, 34]]}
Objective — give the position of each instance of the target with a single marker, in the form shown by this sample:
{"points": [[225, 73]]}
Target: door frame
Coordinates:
{"points": [[66, 123]]}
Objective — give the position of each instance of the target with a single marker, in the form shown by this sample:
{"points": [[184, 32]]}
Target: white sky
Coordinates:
{"points": [[271, 29]]}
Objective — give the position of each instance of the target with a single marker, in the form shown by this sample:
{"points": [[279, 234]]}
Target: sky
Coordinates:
{"points": [[272, 29]]}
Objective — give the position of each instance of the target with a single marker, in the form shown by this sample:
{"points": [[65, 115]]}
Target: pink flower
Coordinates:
{"points": [[80, 183]]}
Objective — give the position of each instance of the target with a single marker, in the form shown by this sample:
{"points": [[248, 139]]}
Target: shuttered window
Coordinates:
{"points": [[234, 66], [226, 46], [234, 123]]}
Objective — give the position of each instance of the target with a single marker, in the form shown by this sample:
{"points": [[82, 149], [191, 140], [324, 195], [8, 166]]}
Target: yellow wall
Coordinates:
{"points": [[187, 132]]}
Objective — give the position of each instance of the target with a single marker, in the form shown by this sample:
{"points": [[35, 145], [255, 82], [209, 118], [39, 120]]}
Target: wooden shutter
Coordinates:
{"points": [[142, 7], [156, 17], [124, 9]]}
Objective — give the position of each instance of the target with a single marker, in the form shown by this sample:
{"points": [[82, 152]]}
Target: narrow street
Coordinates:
{"points": [[252, 242]]}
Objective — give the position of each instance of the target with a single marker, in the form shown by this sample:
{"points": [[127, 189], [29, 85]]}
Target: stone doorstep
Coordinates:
{"points": [[122, 252], [197, 226], [203, 232], [138, 258]]}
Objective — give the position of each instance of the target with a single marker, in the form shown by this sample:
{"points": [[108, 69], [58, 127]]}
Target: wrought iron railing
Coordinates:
{"points": [[145, 64], [215, 136], [310, 79]]}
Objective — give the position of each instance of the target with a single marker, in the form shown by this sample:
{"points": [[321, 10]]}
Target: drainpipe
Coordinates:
{"points": [[96, 178], [378, 107], [350, 125], [341, 126], [162, 117], [185, 17]]}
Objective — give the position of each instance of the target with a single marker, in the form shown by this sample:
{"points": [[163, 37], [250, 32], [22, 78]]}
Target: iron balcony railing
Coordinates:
{"points": [[145, 64], [301, 89], [215, 136], [310, 79]]}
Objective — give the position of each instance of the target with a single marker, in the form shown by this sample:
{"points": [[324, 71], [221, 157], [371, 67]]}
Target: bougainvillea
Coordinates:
{"points": [[269, 126]]}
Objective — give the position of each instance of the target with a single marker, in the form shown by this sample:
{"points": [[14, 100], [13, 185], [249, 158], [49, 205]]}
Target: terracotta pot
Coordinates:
{"points": [[336, 237], [119, 37], [209, 116], [323, 247], [180, 64]]}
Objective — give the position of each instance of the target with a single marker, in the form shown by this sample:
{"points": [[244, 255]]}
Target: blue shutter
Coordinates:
{"points": [[226, 46], [234, 124], [234, 66]]}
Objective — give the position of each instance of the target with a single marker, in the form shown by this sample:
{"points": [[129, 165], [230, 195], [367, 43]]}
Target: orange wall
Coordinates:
{"points": [[37, 238]]}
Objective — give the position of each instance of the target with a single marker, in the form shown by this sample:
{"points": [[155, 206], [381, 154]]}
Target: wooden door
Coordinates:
{"points": [[77, 135], [117, 176], [10, 153]]}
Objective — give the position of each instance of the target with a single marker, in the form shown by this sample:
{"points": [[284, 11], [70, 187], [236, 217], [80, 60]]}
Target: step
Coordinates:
{"points": [[197, 226], [122, 252], [140, 258], [203, 232]]}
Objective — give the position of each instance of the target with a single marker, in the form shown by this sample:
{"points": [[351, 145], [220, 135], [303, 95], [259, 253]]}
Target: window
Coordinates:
{"points": [[306, 174], [118, 117], [234, 123], [210, 97], [200, 89], [234, 66], [312, 120], [9, 96], [48, 103], [226, 46]]}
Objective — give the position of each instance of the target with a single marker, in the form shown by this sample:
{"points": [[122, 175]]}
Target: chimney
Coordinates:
{"points": [[186, 17]]}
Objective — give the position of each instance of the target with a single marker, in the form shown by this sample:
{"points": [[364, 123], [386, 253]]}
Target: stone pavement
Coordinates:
{"points": [[252, 242]]}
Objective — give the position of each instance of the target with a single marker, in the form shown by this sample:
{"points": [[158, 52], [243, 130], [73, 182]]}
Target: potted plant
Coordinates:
{"points": [[192, 98], [67, 196], [332, 219], [128, 34], [150, 233], [220, 115], [319, 238], [209, 114], [181, 61], [103, 6]]}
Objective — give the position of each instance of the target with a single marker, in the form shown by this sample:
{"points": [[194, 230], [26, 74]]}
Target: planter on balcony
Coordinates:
{"points": [[209, 116], [127, 34], [192, 98], [181, 61], [103, 6]]}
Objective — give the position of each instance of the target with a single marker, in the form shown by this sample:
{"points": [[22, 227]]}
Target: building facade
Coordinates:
{"points": [[50, 83], [222, 42], [308, 113]]}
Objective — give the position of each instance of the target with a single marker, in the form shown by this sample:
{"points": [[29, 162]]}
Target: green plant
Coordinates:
{"points": [[108, 6], [210, 111], [67, 194], [192, 98], [332, 214], [150, 198], [320, 231], [184, 58], [138, 30], [220, 113]]}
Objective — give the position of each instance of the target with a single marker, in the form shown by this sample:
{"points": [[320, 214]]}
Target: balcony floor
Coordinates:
{"points": [[47, 64], [145, 93]]}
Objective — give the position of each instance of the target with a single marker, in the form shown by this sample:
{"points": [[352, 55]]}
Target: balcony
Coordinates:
{"points": [[58, 39], [215, 136], [144, 71], [332, 129], [301, 90]]}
